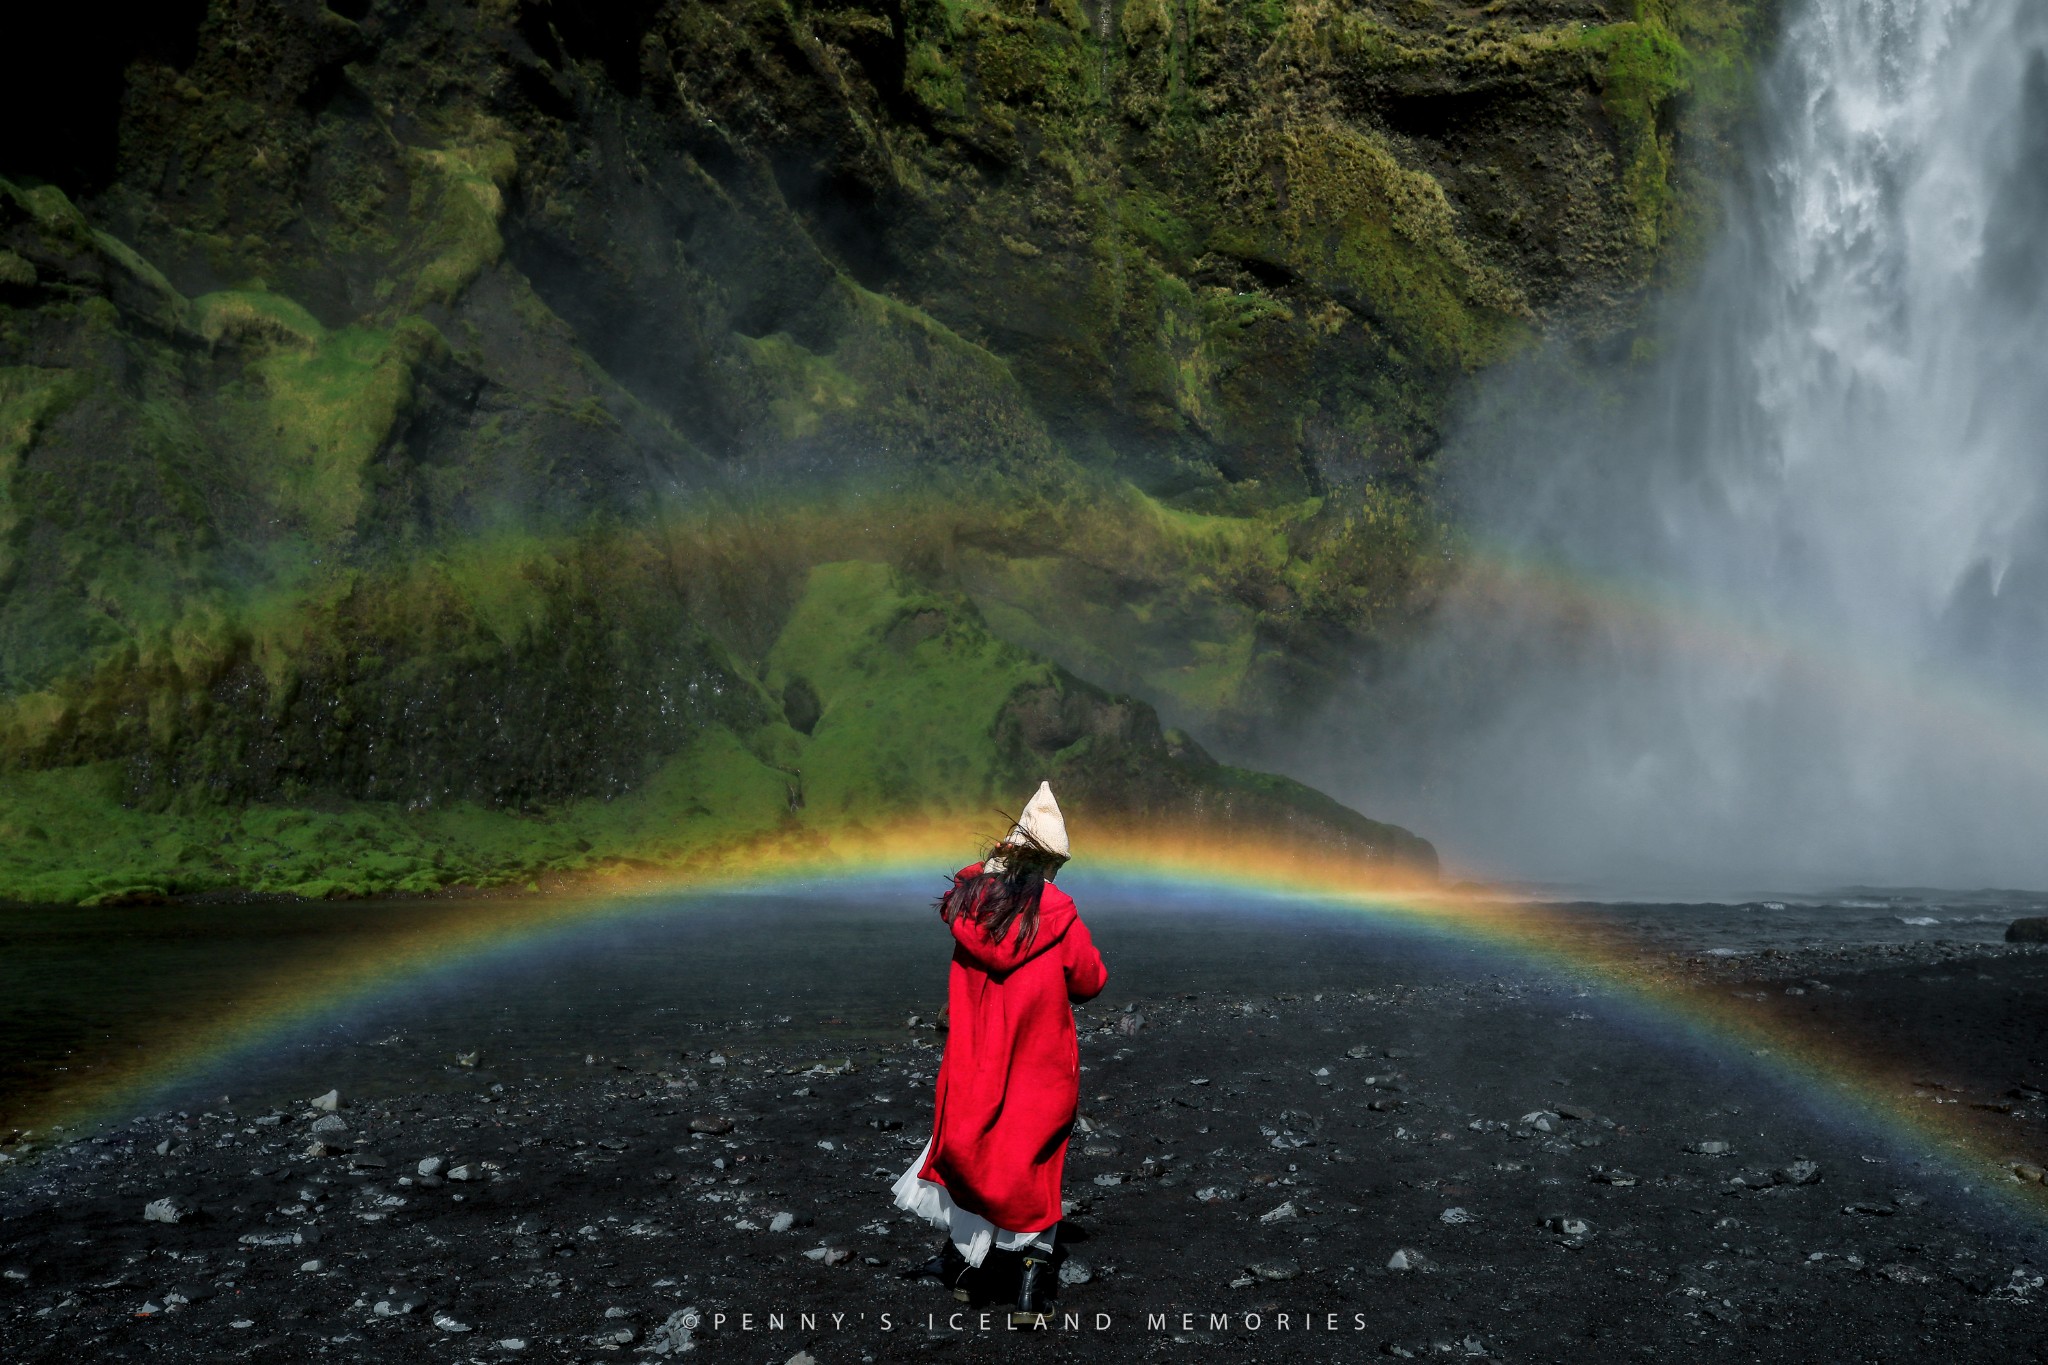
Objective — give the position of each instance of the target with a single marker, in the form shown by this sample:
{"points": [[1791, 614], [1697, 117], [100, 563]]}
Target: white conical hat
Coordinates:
{"points": [[1043, 823]]}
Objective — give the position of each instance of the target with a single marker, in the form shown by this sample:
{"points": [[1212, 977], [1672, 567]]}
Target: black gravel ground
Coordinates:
{"points": [[1564, 1179]]}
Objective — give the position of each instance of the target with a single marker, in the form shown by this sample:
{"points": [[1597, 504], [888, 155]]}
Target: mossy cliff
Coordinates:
{"points": [[452, 407]]}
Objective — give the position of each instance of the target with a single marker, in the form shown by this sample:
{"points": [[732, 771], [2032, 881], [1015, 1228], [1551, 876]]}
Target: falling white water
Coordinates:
{"points": [[1780, 612]]}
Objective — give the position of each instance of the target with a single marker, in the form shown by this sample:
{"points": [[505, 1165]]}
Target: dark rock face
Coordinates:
{"points": [[391, 391], [2027, 931]]}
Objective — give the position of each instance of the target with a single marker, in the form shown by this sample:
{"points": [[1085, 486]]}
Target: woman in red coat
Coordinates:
{"points": [[1010, 1078]]}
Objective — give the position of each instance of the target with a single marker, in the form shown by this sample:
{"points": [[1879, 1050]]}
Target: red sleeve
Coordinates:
{"points": [[1086, 976]]}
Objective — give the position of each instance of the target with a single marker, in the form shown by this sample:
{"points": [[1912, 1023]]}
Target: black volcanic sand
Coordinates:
{"points": [[1248, 1166]]}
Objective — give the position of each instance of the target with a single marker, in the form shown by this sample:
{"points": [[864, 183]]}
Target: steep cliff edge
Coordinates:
{"points": [[403, 388]]}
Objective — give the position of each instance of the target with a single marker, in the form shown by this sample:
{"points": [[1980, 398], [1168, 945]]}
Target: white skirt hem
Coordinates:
{"points": [[972, 1234]]}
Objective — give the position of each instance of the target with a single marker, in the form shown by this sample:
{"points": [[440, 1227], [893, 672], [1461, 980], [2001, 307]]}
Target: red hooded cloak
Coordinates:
{"points": [[1010, 1078]]}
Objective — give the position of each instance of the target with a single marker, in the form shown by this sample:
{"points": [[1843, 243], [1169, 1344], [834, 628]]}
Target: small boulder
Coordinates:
{"points": [[1407, 1258], [169, 1209], [2027, 931], [326, 1103], [1276, 1270], [713, 1124]]}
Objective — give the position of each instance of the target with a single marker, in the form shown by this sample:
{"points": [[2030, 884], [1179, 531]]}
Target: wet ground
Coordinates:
{"points": [[1298, 1142]]}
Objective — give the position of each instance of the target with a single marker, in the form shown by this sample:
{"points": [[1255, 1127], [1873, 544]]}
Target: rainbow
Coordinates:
{"points": [[1852, 1089], [1996, 730]]}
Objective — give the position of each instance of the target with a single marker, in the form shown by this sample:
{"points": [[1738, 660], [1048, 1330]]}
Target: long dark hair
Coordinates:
{"points": [[999, 899]]}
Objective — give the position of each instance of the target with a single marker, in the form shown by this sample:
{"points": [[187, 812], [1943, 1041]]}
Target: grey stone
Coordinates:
{"points": [[170, 1209], [675, 1336], [1285, 1213], [1276, 1270], [1710, 1147], [711, 1123], [1407, 1258], [432, 1165], [1076, 1271], [328, 1102], [398, 1302]]}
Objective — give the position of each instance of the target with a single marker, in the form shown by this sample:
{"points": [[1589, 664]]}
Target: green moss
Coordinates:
{"points": [[255, 315], [30, 396], [324, 411], [459, 198], [805, 390], [1643, 67], [909, 688]]}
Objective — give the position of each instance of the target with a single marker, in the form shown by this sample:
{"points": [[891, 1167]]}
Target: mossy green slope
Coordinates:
{"points": [[918, 712]]}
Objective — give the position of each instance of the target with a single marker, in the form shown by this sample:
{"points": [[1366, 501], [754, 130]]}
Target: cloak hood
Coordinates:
{"points": [[1056, 915]]}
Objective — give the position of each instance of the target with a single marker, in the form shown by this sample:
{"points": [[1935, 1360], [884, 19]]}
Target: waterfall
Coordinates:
{"points": [[1778, 610]]}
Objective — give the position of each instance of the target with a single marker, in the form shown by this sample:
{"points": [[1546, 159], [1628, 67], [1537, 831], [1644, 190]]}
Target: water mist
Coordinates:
{"points": [[1777, 613]]}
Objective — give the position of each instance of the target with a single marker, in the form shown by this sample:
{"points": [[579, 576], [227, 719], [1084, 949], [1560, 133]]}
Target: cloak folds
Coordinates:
{"points": [[1009, 1082]]}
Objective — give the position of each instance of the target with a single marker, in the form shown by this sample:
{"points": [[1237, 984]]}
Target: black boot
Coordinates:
{"points": [[1034, 1288], [947, 1266]]}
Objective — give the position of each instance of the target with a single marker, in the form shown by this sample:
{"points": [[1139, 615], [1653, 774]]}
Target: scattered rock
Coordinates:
{"points": [[312, 1267], [1569, 1227], [448, 1322], [2027, 931], [1801, 1172], [675, 1336], [1128, 1025], [1709, 1147], [170, 1209], [1284, 1213], [782, 1222], [1407, 1258], [1073, 1270], [327, 1103], [469, 1059], [1455, 1217], [829, 1255], [711, 1123], [465, 1172], [2028, 1171], [432, 1165], [1276, 1270], [398, 1302]]}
